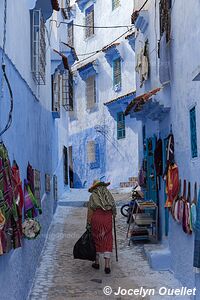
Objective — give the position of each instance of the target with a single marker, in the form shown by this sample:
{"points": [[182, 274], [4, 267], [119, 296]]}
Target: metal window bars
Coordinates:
{"points": [[38, 47], [115, 4], [56, 92], [91, 92], [89, 22], [70, 33], [67, 90], [65, 9]]}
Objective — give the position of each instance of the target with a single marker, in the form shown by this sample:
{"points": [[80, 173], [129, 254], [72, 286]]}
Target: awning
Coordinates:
{"points": [[46, 7], [64, 59], [82, 3], [137, 104], [88, 70], [111, 52], [70, 53], [131, 39], [148, 107], [119, 103]]}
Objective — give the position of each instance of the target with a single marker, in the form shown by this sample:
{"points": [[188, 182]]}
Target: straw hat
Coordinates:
{"points": [[97, 183]]}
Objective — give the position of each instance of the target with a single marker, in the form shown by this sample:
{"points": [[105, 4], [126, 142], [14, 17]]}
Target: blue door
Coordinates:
{"points": [[151, 183]]}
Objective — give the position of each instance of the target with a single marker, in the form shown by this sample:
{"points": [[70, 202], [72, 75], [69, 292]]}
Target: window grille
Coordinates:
{"points": [[91, 92], [65, 8], [193, 132], [93, 154], [67, 90], [165, 18], [38, 47], [120, 125], [56, 79], [115, 4], [71, 34], [65, 165], [89, 21], [117, 74]]}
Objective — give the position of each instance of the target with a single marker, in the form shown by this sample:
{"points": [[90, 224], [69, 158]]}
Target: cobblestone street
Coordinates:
{"points": [[60, 277]]}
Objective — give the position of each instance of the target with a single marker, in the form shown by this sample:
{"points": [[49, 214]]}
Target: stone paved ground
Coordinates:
{"points": [[60, 277]]}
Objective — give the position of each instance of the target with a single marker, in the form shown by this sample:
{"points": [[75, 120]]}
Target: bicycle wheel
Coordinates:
{"points": [[125, 210]]}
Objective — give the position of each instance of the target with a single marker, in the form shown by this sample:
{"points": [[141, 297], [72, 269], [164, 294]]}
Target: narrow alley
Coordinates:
{"points": [[60, 277]]}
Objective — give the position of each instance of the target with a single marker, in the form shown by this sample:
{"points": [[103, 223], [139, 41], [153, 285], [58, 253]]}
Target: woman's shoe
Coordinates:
{"points": [[107, 270], [95, 266]]}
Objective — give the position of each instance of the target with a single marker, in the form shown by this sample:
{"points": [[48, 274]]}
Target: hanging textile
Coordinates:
{"points": [[142, 65], [158, 158], [169, 153], [164, 72], [10, 205], [31, 206], [196, 262], [172, 185]]}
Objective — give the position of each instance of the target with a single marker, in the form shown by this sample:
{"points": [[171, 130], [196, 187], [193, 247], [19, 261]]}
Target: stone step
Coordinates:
{"points": [[133, 179], [127, 184]]}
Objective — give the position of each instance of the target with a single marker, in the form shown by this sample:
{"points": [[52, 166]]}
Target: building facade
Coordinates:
{"points": [[103, 144], [36, 136], [167, 103]]}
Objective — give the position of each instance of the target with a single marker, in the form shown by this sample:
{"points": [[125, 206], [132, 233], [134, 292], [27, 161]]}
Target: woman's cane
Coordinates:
{"points": [[115, 238]]}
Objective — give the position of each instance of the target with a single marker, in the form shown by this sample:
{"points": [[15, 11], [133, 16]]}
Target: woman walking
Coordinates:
{"points": [[101, 208]]}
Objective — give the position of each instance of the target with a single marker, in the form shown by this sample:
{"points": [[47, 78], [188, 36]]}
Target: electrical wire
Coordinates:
{"points": [[97, 51], [89, 26], [3, 66], [143, 5]]}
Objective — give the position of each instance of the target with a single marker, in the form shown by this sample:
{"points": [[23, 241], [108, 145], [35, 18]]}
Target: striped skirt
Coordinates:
{"points": [[101, 223]]}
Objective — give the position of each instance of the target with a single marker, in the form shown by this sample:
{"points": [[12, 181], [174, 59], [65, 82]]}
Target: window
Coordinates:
{"points": [[89, 21], [120, 126], [165, 18], [93, 154], [67, 91], [71, 34], [56, 92], [65, 164], [38, 47], [193, 132], [91, 92], [115, 4], [117, 74], [65, 8]]}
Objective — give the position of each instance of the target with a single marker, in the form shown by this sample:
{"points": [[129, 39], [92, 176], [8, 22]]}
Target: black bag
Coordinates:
{"points": [[85, 247]]}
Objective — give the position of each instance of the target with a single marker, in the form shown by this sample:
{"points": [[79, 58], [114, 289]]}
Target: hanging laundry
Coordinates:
{"points": [[142, 65], [172, 185], [31, 206], [158, 158], [164, 73], [196, 262], [169, 154]]}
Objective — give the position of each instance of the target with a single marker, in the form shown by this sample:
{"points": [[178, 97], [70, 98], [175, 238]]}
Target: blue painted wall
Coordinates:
{"points": [[34, 137], [181, 95]]}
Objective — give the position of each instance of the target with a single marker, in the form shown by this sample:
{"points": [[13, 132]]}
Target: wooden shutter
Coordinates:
{"points": [[120, 125], [165, 18], [56, 92], [91, 151], [65, 165], [89, 21], [117, 73], [91, 92], [193, 132]]}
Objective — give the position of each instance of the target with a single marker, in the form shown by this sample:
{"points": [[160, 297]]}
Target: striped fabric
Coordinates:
{"points": [[196, 262], [101, 224]]}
